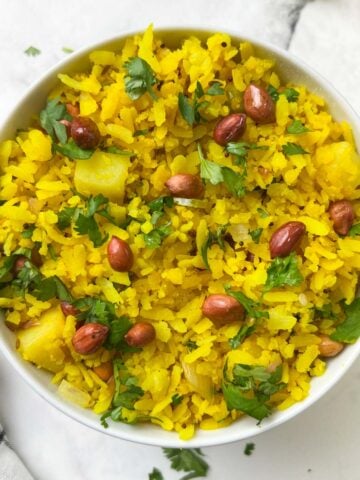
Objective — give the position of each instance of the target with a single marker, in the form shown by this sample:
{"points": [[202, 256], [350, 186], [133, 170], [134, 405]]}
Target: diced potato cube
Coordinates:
{"points": [[43, 344], [104, 173]]}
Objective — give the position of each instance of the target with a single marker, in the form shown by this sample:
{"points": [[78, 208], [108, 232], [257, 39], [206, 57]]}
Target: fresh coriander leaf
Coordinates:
{"points": [[67, 50], [234, 181], [262, 213], [291, 94], [119, 326], [27, 276], [140, 78], [176, 399], [156, 475], [71, 150], [215, 89], [155, 238], [354, 230], [65, 217], [28, 232], [95, 310], [293, 149], [325, 312], [240, 151], [186, 109], [349, 330], [126, 390], [199, 91], [50, 119], [52, 252], [272, 91], [6, 268], [159, 204], [251, 306], [283, 271], [244, 331], [32, 51], [251, 389], [51, 287], [138, 133], [209, 170], [118, 151], [87, 226], [297, 128], [191, 345], [216, 237], [187, 460], [94, 203], [249, 448], [256, 234]]}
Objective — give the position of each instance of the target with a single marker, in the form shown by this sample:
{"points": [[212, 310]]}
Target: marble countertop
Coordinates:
{"points": [[321, 443]]}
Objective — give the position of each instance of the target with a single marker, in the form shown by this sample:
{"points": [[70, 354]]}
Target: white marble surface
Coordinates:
{"points": [[320, 444]]}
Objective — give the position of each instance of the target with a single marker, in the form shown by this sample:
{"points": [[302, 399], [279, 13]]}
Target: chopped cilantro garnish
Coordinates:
{"points": [[297, 128], [241, 149], [262, 213], [176, 399], [32, 51], [27, 233], [73, 151], [66, 216], [50, 120], [354, 230], [155, 238], [244, 331], [118, 151], [157, 207], [293, 149], [349, 330], [191, 345], [190, 110], [283, 271], [138, 133], [272, 91], [290, 93], [140, 78], [256, 234], [187, 460], [215, 88], [216, 174], [251, 306], [213, 238], [250, 389], [249, 448]]}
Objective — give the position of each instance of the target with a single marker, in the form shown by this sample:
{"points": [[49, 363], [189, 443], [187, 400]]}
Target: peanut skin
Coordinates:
{"points": [[89, 338], [342, 214], [185, 185], [258, 104], [119, 254], [328, 347], [229, 128], [284, 240], [140, 334], [222, 309], [68, 309]]}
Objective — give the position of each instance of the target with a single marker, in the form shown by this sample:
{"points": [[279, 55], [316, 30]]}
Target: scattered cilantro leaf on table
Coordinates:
{"points": [[156, 475], [67, 50], [296, 128], [32, 51], [293, 149], [283, 271], [349, 330], [187, 460], [249, 448], [140, 78]]}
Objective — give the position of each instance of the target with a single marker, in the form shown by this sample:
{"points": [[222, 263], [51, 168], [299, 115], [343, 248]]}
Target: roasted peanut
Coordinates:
{"points": [[259, 105], [229, 128], [104, 371], [342, 214], [328, 347], [222, 309], [119, 255], [85, 132], [73, 110], [140, 334], [284, 240], [35, 257], [185, 185], [68, 309], [89, 338]]}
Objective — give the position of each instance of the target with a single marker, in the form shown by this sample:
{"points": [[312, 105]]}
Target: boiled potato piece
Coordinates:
{"points": [[43, 344], [104, 173]]}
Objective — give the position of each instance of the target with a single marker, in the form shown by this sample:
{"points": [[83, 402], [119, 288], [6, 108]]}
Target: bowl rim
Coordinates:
{"points": [[136, 434]]}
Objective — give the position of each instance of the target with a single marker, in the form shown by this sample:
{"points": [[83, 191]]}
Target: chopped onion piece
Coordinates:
{"points": [[74, 394], [201, 383], [239, 232], [190, 202]]}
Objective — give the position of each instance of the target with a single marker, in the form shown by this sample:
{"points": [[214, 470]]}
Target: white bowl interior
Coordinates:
{"points": [[290, 69]]}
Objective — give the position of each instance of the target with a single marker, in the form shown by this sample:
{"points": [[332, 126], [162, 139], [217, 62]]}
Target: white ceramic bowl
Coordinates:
{"points": [[291, 69]]}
